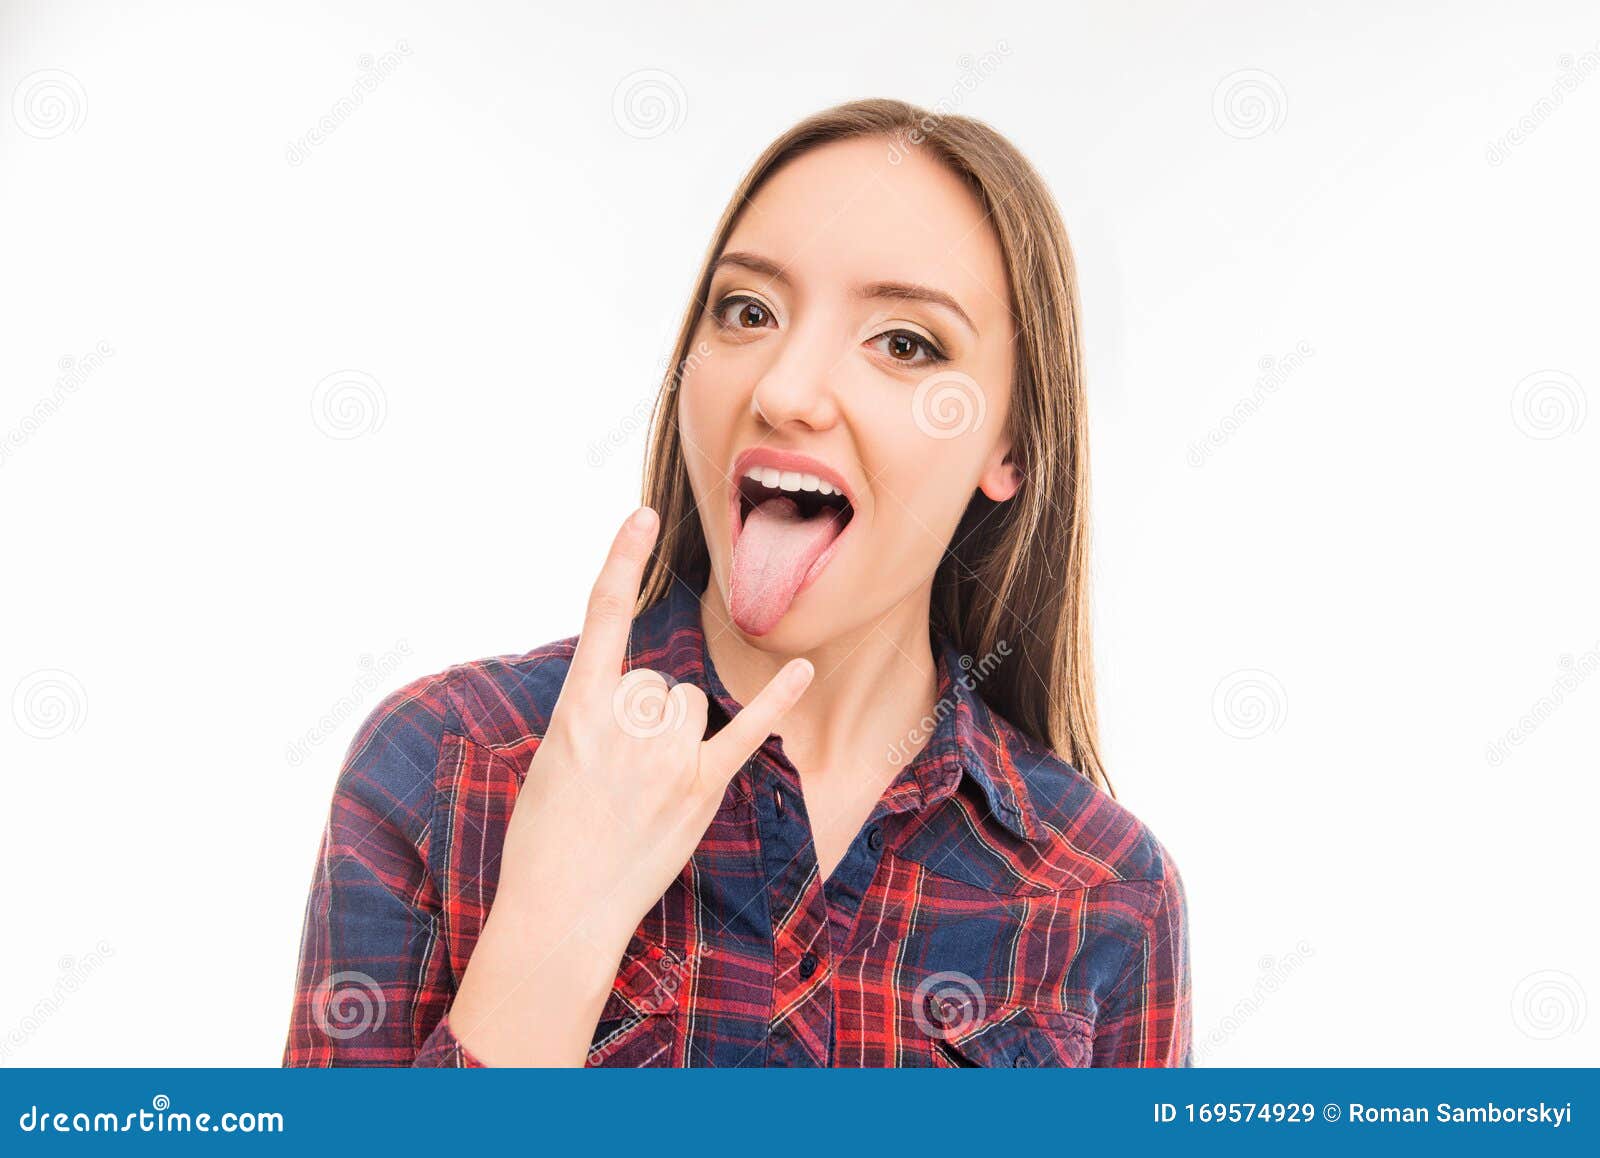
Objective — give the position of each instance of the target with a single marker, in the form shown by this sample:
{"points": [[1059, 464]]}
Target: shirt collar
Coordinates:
{"points": [[962, 733]]}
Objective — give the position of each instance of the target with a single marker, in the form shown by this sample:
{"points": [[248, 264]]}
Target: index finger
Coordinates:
{"points": [[603, 642]]}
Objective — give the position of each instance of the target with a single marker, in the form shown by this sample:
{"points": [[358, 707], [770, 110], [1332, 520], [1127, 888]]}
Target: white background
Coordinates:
{"points": [[1396, 548]]}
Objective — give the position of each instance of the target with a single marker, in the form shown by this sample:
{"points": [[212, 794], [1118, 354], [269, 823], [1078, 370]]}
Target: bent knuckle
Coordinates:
{"points": [[643, 705]]}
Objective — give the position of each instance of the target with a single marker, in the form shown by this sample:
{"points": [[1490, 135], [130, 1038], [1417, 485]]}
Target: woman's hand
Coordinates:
{"points": [[617, 798]]}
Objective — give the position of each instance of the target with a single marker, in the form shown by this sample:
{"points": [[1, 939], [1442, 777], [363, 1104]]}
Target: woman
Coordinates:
{"points": [[817, 783]]}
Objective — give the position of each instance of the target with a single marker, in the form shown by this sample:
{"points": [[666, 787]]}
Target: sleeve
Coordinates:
{"points": [[444, 1049], [1147, 1019], [373, 982]]}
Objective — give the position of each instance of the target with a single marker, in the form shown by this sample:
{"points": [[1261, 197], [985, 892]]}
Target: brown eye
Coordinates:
{"points": [[741, 313], [908, 348]]}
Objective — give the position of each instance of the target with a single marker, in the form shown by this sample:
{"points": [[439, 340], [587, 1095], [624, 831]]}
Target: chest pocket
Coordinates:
{"points": [[1016, 1036], [638, 1025]]}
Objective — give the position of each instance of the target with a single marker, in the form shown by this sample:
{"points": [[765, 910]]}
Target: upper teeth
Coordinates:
{"points": [[789, 480]]}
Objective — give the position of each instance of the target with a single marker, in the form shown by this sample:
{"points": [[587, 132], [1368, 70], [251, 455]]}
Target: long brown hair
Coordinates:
{"points": [[1015, 573]]}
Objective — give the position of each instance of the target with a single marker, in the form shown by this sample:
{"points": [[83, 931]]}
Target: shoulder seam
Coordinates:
{"points": [[455, 673]]}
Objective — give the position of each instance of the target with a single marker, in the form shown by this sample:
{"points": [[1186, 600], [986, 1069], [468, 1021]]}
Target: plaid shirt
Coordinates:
{"points": [[995, 909]]}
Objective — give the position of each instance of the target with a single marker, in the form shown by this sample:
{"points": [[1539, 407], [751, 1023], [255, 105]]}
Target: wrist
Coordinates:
{"points": [[536, 926], [533, 991]]}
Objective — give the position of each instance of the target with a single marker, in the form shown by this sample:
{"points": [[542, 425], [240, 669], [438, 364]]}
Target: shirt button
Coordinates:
{"points": [[875, 838], [1022, 1059], [808, 965]]}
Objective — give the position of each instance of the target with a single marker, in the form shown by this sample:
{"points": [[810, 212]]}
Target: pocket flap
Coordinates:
{"points": [[1020, 1036], [647, 982]]}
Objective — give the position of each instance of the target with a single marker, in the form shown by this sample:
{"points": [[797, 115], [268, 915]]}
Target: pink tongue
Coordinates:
{"points": [[776, 548]]}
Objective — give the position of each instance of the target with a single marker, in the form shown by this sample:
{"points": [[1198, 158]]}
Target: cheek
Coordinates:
{"points": [[934, 449], [707, 416], [922, 488], [701, 418], [948, 406], [708, 404]]}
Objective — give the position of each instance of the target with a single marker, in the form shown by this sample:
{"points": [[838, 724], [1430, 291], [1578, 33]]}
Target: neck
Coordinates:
{"points": [[873, 685]]}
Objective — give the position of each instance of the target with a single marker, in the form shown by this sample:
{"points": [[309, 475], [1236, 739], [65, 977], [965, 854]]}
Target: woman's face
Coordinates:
{"points": [[857, 339]]}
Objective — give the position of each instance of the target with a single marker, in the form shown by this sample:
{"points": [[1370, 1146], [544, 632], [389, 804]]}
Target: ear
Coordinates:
{"points": [[1001, 478]]}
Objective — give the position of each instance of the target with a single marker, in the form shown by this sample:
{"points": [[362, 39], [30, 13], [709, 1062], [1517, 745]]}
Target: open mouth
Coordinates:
{"points": [[811, 495], [787, 524]]}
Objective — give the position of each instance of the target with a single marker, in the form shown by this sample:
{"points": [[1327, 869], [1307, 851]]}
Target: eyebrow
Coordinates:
{"points": [[893, 290]]}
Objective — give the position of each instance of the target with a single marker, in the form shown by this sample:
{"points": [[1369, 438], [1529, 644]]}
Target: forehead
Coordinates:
{"points": [[854, 212]]}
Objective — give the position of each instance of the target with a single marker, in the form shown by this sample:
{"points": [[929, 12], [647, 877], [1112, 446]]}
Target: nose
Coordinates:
{"points": [[799, 384]]}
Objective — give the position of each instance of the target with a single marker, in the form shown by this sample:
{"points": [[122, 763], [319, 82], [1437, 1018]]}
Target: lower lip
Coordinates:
{"points": [[822, 560]]}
